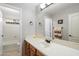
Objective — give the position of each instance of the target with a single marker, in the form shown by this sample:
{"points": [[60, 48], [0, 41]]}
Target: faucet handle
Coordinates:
{"points": [[48, 41]]}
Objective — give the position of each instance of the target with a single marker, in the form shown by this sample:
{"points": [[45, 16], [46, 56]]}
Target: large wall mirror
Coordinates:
{"points": [[65, 31]]}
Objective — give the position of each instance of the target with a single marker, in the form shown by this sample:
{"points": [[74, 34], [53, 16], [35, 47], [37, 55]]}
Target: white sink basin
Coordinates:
{"points": [[44, 44]]}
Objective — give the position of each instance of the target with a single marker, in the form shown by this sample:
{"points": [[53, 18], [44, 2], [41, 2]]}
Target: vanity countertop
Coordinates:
{"points": [[52, 49]]}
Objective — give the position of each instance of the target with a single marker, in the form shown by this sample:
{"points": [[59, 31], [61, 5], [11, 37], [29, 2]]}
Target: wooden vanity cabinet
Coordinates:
{"points": [[29, 50]]}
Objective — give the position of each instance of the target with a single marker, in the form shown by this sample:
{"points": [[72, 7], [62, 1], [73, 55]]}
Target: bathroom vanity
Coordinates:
{"points": [[38, 47], [29, 50]]}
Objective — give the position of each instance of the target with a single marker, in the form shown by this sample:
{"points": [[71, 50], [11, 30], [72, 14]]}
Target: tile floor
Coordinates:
{"points": [[11, 50]]}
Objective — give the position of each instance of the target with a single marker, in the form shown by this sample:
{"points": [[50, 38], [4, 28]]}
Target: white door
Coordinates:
{"points": [[74, 27], [1, 27]]}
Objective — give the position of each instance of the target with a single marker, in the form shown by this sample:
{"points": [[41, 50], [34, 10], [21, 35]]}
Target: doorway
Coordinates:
{"points": [[10, 31]]}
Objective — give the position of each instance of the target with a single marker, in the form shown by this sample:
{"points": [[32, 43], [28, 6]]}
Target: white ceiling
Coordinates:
{"points": [[24, 5], [53, 9]]}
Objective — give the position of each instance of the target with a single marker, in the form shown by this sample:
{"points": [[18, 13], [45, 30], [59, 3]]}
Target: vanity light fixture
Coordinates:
{"points": [[44, 5]]}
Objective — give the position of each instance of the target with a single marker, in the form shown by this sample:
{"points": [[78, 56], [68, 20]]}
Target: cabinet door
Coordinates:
{"points": [[32, 51], [24, 48], [27, 51], [39, 53]]}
